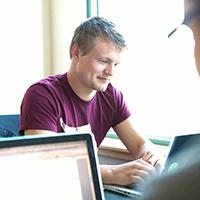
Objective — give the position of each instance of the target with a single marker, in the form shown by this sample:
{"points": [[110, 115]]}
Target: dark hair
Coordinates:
{"points": [[87, 32]]}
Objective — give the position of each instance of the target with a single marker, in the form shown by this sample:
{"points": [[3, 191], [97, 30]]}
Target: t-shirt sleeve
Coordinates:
{"points": [[38, 110], [122, 110]]}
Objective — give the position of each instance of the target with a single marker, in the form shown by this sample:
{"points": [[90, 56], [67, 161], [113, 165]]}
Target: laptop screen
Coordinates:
{"points": [[49, 168], [183, 151]]}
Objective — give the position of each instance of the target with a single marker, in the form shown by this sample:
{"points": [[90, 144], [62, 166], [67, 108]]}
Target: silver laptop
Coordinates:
{"points": [[182, 150], [50, 167]]}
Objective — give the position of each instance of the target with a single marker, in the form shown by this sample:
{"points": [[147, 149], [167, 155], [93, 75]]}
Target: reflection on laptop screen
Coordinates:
{"points": [[47, 171]]}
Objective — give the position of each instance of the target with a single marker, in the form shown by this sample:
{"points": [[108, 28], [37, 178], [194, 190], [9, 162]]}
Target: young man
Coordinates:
{"points": [[84, 99]]}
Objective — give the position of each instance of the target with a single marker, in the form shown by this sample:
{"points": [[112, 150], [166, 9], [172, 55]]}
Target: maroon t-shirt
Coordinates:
{"points": [[48, 101]]}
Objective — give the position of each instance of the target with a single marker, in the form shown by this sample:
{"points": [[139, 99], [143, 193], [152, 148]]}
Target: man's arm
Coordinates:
{"points": [[131, 139], [137, 145], [37, 132]]}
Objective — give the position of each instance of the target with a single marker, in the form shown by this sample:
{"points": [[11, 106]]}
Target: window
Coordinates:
{"points": [[21, 50], [157, 75]]}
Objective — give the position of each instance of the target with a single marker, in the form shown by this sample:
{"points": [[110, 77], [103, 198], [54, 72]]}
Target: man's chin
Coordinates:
{"points": [[101, 88]]}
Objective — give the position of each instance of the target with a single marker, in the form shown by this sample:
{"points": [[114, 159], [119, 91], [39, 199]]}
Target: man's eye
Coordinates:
{"points": [[104, 61], [117, 64]]}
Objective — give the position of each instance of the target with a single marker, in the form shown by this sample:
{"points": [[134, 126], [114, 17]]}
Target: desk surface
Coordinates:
{"points": [[114, 196]]}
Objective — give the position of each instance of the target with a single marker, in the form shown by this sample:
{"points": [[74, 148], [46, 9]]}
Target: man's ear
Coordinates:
{"points": [[75, 51]]}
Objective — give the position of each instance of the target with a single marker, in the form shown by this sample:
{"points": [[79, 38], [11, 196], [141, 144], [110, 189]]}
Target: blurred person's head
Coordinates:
{"points": [[192, 20]]}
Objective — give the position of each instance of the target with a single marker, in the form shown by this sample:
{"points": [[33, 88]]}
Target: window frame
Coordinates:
{"points": [[158, 140]]}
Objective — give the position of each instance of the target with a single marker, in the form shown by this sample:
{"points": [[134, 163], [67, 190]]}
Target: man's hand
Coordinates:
{"points": [[152, 159], [128, 173]]}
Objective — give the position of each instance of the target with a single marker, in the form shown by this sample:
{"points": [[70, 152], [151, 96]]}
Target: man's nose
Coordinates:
{"points": [[110, 70]]}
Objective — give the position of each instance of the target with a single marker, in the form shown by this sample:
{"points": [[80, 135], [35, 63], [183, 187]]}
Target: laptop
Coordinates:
{"points": [[59, 166], [182, 150]]}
